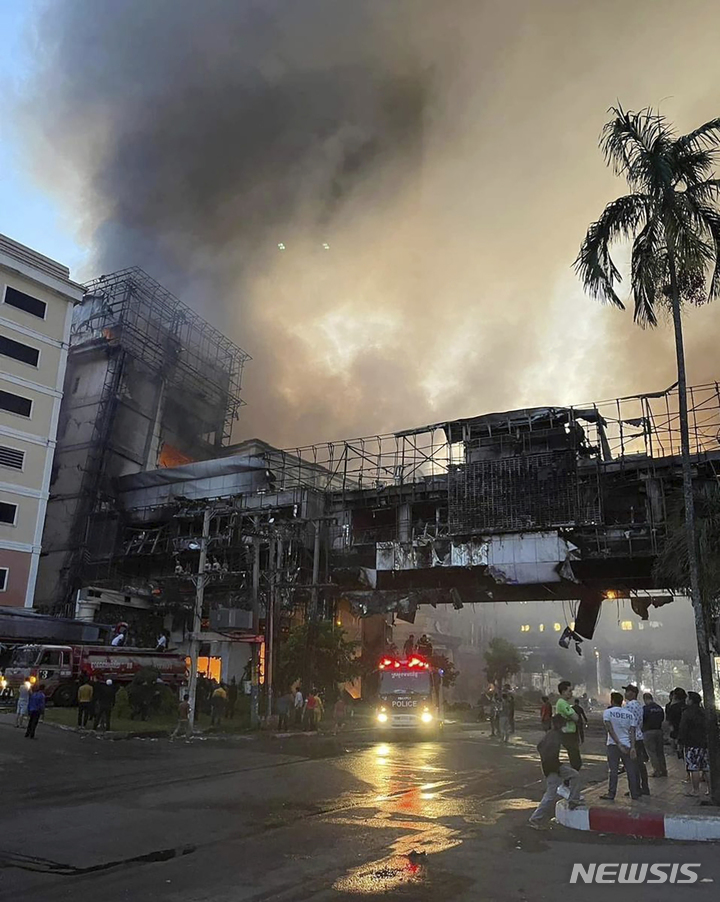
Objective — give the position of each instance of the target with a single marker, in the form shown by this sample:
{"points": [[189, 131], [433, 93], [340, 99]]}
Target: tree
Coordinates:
{"points": [[671, 214], [672, 564], [502, 660], [449, 671], [334, 660]]}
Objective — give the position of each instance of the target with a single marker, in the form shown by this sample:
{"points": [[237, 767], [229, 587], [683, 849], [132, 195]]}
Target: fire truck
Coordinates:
{"points": [[409, 696], [60, 667]]}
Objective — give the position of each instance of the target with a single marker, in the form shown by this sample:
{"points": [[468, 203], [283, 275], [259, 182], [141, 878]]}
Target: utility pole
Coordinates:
{"points": [[255, 650], [200, 581], [269, 627], [315, 573]]}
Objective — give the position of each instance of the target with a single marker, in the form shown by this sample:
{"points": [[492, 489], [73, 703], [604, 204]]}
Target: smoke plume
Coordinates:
{"points": [[429, 169]]}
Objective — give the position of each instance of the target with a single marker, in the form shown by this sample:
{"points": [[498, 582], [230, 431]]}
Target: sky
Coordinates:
{"points": [[380, 200], [28, 213]]}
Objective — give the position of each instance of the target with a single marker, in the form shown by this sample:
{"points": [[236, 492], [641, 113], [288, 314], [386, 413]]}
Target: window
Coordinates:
{"points": [[525, 628], [15, 403], [626, 625], [542, 627], [8, 512], [11, 457], [18, 351], [52, 657], [4, 572], [76, 384], [25, 302], [557, 627]]}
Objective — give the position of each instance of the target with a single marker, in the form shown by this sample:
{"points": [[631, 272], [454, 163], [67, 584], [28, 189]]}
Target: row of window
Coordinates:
{"points": [[526, 628]]}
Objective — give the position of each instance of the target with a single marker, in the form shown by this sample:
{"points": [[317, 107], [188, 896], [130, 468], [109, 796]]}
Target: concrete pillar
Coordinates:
{"points": [[404, 522]]}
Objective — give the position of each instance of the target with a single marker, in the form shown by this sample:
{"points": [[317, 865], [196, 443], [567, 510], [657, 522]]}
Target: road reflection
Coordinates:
{"points": [[408, 786]]}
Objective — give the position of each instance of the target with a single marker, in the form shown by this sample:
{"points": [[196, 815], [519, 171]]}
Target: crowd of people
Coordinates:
{"points": [[303, 710], [635, 737]]}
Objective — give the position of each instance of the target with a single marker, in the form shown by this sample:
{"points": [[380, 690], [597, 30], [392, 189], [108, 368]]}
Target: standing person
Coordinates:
{"points": [[673, 715], [284, 705], [495, 712], [36, 710], [298, 706], [693, 740], [511, 707], [409, 646], [339, 714], [546, 714], [85, 701], [21, 710], [424, 646], [632, 704], [555, 775], [218, 700], [582, 719], [620, 726], [653, 717], [569, 732], [183, 724], [120, 637], [232, 697], [104, 695], [504, 720], [163, 641]]}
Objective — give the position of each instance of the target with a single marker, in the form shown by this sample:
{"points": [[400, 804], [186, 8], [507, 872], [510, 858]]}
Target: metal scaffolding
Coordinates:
{"points": [[620, 431], [131, 308]]}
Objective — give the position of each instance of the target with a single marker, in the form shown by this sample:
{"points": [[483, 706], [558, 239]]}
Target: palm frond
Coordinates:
{"points": [[636, 145], [648, 271], [594, 265], [692, 165], [707, 135]]}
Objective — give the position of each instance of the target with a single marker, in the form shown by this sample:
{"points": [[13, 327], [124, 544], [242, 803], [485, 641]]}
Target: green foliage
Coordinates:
{"points": [[450, 672], [319, 655], [502, 659], [671, 213], [672, 566], [122, 704]]}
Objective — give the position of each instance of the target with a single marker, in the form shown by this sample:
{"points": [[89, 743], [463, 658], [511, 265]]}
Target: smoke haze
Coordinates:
{"points": [[445, 152]]}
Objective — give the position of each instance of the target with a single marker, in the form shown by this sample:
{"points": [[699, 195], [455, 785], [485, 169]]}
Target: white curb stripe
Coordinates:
{"points": [[579, 819], [689, 826]]}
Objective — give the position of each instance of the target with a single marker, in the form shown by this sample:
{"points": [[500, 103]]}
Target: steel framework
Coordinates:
{"points": [[154, 326], [618, 431]]}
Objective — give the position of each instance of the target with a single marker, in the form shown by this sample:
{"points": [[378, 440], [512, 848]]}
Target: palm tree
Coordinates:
{"points": [[671, 214]]}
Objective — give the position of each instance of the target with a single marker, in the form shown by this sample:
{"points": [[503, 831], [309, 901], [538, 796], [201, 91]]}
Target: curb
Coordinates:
{"points": [[652, 825]]}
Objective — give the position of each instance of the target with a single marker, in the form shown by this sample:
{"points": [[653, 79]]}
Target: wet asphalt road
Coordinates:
{"points": [[300, 820]]}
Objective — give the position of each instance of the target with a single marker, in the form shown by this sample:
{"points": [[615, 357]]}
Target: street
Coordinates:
{"points": [[250, 819]]}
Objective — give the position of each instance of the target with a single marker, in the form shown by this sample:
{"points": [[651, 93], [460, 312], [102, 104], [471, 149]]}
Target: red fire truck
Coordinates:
{"points": [[60, 667], [409, 696]]}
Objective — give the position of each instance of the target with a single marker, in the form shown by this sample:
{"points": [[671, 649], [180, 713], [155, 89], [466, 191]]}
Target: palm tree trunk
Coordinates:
{"points": [[699, 608]]}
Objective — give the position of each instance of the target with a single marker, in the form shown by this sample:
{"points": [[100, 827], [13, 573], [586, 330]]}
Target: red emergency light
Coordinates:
{"points": [[414, 662]]}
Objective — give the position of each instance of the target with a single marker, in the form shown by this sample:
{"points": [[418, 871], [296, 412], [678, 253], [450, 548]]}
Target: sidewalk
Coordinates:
{"points": [[667, 813]]}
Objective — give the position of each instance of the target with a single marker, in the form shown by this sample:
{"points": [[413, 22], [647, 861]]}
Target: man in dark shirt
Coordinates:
{"points": [[653, 717], [36, 710], [555, 775]]}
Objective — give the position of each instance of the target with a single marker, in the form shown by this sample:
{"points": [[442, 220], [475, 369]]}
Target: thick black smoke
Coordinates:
{"points": [[445, 153]]}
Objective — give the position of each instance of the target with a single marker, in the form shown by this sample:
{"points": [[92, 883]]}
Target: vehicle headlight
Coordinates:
{"points": [[426, 717], [382, 717]]}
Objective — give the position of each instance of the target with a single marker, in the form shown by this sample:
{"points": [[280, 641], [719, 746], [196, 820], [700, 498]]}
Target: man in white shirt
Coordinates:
{"points": [[620, 725], [298, 704], [632, 704]]}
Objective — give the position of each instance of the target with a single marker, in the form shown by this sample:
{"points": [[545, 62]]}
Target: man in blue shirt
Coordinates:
{"points": [[36, 709]]}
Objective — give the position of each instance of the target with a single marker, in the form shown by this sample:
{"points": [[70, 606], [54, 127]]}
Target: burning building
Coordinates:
{"points": [[149, 384]]}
